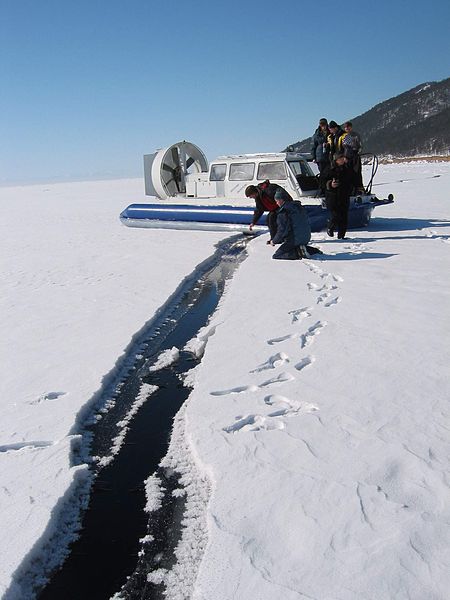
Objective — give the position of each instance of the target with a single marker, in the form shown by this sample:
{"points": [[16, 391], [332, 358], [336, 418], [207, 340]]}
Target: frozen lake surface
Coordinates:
{"points": [[314, 446]]}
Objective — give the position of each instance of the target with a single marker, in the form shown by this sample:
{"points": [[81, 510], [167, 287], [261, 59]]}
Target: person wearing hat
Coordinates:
{"points": [[351, 142], [293, 231], [320, 149], [335, 138], [351, 145], [339, 180], [265, 194]]}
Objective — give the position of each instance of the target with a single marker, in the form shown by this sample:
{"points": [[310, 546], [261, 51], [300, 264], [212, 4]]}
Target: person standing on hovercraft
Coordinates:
{"points": [[320, 149], [351, 146], [335, 138]]}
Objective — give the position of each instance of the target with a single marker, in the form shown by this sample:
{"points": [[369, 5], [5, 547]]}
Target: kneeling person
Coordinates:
{"points": [[293, 231]]}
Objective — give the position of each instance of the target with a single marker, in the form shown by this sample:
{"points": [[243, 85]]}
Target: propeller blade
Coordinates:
{"points": [[175, 157], [182, 167], [182, 155]]}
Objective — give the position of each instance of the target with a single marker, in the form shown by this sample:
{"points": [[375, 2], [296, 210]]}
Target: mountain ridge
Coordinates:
{"points": [[413, 123]]}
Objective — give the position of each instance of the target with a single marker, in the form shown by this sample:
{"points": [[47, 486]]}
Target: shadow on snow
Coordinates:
{"points": [[351, 256], [400, 224]]}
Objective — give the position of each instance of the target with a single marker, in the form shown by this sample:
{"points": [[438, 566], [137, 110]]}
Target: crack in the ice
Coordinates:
{"points": [[362, 507]]}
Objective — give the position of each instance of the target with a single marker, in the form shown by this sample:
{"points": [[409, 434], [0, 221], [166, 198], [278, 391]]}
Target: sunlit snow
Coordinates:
{"points": [[313, 449]]}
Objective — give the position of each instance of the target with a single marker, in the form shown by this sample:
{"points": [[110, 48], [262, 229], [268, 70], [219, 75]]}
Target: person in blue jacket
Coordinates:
{"points": [[293, 231]]}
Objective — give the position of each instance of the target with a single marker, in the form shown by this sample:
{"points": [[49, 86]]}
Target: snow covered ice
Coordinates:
{"points": [[77, 288], [316, 440]]}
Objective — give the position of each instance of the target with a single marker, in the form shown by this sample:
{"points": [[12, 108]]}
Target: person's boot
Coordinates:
{"points": [[330, 232], [303, 252], [312, 250]]}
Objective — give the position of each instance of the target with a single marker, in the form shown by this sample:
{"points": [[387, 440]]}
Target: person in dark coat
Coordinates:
{"points": [[335, 138], [340, 180], [320, 149], [293, 231], [265, 195]]}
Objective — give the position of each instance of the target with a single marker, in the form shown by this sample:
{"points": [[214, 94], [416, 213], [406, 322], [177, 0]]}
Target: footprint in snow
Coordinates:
{"points": [[333, 301], [278, 380], [290, 407], [300, 313], [254, 423], [307, 338], [305, 362], [314, 287], [284, 407], [318, 271], [236, 390], [48, 396], [323, 297], [356, 248], [272, 362], [25, 445], [435, 235], [324, 275], [281, 378], [283, 338], [325, 287]]}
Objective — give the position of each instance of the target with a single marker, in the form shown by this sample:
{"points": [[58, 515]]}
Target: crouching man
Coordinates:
{"points": [[293, 231], [265, 195]]}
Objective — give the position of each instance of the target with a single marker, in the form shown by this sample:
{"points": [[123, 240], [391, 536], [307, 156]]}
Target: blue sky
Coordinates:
{"points": [[89, 86]]}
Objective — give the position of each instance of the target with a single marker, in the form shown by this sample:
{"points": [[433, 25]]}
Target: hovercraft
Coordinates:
{"points": [[212, 197]]}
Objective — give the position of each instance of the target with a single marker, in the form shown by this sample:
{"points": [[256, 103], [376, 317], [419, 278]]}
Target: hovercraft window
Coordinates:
{"points": [[301, 167], [218, 172], [241, 171], [271, 170]]}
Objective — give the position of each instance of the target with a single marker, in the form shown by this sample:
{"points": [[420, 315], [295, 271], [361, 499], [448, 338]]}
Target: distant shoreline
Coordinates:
{"points": [[385, 160], [57, 181]]}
